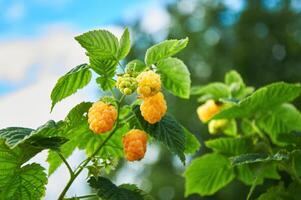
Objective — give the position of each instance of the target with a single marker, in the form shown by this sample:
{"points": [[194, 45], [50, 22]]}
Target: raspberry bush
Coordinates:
{"points": [[112, 128], [255, 138]]}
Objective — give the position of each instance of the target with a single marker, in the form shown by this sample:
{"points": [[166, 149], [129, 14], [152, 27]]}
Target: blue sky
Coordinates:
{"points": [[24, 17]]}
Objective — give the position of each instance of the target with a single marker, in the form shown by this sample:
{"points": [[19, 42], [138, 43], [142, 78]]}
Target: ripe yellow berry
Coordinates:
{"points": [[208, 110], [134, 144], [153, 108], [101, 117], [149, 84], [216, 126]]}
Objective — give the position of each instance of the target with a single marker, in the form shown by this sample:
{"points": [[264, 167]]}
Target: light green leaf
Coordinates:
{"points": [[167, 130], [101, 44], [214, 91], [278, 192], [164, 50], [230, 146], [105, 68], [192, 144], [208, 174], [68, 84], [233, 77], [107, 190], [280, 120], [263, 99], [106, 83], [124, 44], [175, 76], [258, 157], [135, 66]]}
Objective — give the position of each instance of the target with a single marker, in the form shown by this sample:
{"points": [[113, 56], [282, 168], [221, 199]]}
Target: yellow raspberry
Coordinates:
{"points": [[134, 143], [153, 108], [208, 110], [101, 117], [216, 126], [149, 83]]}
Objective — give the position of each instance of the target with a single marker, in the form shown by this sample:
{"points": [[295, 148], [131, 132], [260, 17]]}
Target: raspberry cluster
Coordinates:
{"points": [[149, 84], [126, 84], [134, 143], [101, 117]]}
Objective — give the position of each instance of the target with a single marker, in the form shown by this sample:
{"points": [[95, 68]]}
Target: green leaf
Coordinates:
{"points": [[105, 68], [68, 84], [208, 174], [262, 100], [124, 44], [76, 114], [106, 83], [192, 144], [233, 77], [163, 50], [44, 137], [20, 182], [100, 43], [135, 66], [280, 120], [175, 76], [167, 130], [230, 146], [278, 192], [258, 157], [214, 91], [14, 135], [107, 190]]}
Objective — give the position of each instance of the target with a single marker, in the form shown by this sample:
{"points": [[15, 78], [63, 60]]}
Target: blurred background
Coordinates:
{"points": [[261, 39]]}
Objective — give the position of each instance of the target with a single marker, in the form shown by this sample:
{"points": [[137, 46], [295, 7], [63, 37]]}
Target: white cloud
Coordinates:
{"points": [[15, 12]]}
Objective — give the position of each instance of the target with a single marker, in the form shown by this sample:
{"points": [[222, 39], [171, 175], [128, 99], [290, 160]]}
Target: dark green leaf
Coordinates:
{"points": [[163, 50], [14, 135], [68, 84], [208, 174], [109, 191], [167, 130], [175, 76]]}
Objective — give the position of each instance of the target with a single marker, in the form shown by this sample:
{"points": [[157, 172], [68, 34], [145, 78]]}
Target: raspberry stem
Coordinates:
{"points": [[86, 162]]}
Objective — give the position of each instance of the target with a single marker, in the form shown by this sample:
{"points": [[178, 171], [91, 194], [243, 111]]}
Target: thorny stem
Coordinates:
{"points": [[262, 135], [86, 162], [121, 66], [87, 196], [252, 188]]}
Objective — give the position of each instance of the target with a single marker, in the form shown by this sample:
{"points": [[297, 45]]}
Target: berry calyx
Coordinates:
{"points": [[149, 83], [126, 84], [153, 108], [101, 117], [208, 110], [134, 143]]}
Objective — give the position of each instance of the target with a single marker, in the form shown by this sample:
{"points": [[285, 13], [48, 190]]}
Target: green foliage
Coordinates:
{"points": [[192, 144], [68, 84], [230, 146], [135, 66], [164, 50], [175, 76], [167, 130], [105, 83], [107, 190], [214, 91], [207, 174], [264, 98], [124, 44], [17, 179]]}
